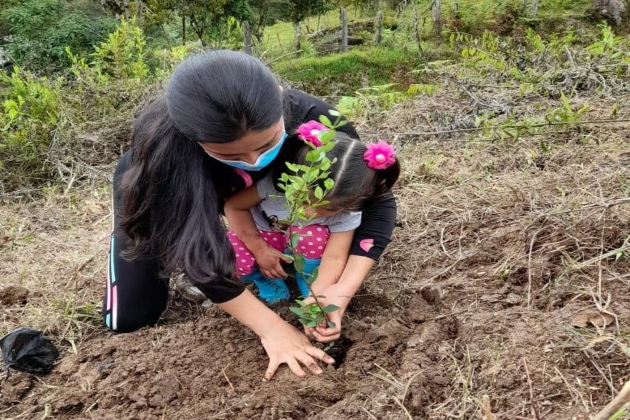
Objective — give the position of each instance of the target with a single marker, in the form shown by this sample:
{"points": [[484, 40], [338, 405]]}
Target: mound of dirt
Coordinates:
{"points": [[13, 295]]}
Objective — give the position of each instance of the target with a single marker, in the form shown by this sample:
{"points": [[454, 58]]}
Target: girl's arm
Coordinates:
{"points": [[242, 224], [240, 219], [334, 259], [340, 294]]}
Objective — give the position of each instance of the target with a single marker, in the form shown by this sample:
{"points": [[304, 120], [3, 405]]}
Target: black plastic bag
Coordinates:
{"points": [[28, 350]]}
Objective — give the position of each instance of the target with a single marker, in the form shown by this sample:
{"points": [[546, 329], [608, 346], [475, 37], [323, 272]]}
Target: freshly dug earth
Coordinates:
{"points": [[504, 293]]}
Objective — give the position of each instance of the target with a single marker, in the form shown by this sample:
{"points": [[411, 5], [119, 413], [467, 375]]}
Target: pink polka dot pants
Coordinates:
{"points": [[312, 243]]}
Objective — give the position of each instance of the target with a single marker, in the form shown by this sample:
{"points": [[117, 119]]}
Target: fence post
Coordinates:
{"points": [[534, 9], [298, 36], [379, 27], [247, 37], [344, 30], [437, 17]]}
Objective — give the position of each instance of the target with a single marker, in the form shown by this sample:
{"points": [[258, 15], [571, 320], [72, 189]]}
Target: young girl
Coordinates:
{"points": [[363, 175]]}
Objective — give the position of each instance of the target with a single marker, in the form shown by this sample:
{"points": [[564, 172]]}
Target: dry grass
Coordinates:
{"points": [[502, 226], [56, 248]]}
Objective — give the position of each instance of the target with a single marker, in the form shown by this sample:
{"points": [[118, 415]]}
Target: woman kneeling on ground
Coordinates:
{"points": [[222, 124]]}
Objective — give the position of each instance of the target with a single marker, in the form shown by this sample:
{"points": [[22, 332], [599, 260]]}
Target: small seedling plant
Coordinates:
{"points": [[304, 187]]}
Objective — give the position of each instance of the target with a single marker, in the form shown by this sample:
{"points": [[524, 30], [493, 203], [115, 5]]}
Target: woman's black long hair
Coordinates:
{"points": [[173, 193]]}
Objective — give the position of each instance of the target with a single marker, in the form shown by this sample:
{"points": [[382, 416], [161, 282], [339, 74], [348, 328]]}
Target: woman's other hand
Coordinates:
{"points": [[282, 342]]}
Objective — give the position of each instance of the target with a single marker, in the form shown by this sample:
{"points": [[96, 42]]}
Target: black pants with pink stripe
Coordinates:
{"points": [[135, 294]]}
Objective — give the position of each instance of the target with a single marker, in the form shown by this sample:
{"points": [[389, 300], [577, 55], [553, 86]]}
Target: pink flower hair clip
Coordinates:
{"points": [[379, 155], [309, 132]]}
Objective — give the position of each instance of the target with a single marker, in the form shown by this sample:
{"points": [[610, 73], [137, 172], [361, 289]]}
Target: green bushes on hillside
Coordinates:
{"points": [[38, 31]]}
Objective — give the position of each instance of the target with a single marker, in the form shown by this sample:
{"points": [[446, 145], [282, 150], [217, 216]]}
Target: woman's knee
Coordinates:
{"points": [[129, 309]]}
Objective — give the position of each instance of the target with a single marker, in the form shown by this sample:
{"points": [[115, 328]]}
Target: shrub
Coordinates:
{"points": [[29, 117], [40, 30], [59, 130]]}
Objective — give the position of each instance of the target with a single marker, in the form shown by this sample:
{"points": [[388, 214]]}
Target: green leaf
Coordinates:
{"points": [[297, 311], [321, 203], [313, 156], [292, 166], [293, 240], [299, 263], [324, 120], [329, 183], [330, 308], [311, 324], [310, 176], [544, 147], [313, 309], [331, 324], [334, 113], [319, 193], [313, 276], [326, 139]]}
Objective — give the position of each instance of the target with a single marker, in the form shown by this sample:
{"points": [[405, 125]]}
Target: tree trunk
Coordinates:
{"points": [[344, 30], [126, 9], [183, 30], [437, 17], [379, 27], [247, 37], [416, 29]]}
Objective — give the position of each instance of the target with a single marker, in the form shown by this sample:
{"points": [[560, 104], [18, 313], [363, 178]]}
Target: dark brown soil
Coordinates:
{"points": [[13, 295]]}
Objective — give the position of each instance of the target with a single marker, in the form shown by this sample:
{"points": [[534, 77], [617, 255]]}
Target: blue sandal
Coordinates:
{"points": [[269, 290], [300, 278]]}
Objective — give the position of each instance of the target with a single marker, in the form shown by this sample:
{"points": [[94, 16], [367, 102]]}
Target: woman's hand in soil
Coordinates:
{"points": [[268, 260], [285, 344], [282, 342]]}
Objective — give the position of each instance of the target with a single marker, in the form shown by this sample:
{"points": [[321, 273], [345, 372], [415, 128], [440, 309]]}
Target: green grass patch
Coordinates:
{"points": [[279, 39], [344, 73]]}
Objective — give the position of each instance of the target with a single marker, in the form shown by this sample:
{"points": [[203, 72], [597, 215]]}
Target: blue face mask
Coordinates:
{"points": [[263, 160]]}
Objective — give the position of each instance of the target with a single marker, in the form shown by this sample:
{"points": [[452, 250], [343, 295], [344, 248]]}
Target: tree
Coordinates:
{"points": [[40, 30], [265, 13], [301, 9], [208, 19], [119, 7]]}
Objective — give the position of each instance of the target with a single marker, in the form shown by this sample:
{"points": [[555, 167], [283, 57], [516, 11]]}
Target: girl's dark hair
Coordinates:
{"points": [[173, 193], [357, 186]]}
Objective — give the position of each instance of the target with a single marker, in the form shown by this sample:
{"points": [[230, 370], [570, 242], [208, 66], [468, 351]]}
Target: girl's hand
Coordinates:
{"points": [[285, 344], [334, 294], [268, 260]]}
